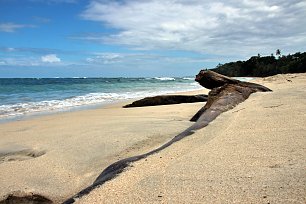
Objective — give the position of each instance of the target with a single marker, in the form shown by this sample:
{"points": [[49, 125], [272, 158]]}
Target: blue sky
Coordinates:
{"points": [[69, 38]]}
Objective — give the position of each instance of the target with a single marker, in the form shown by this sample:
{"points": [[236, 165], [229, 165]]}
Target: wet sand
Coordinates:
{"points": [[58, 155], [254, 153]]}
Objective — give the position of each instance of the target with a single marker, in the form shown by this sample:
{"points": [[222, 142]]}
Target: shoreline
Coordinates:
{"points": [[8, 119], [77, 146], [69, 150], [41, 113]]}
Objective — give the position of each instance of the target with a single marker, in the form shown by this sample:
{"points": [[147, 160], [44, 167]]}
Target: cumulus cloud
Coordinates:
{"points": [[50, 58], [12, 27], [220, 27]]}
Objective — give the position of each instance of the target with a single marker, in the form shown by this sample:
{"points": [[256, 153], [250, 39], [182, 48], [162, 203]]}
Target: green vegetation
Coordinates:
{"points": [[258, 66]]}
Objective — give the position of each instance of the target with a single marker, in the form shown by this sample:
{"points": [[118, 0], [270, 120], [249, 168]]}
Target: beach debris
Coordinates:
{"points": [[167, 99], [225, 93]]}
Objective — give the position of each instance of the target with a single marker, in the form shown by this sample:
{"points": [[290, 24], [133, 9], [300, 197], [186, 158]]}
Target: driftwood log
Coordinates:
{"points": [[226, 93], [167, 99]]}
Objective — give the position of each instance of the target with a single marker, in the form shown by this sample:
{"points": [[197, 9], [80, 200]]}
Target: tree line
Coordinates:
{"points": [[258, 66]]}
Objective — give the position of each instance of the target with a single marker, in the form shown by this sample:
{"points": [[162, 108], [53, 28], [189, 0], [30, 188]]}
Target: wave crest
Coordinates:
{"points": [[165, 78]]}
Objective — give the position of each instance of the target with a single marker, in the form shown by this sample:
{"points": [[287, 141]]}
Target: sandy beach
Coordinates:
{"points": [[152, 101], [254, 153], [58, 155]]}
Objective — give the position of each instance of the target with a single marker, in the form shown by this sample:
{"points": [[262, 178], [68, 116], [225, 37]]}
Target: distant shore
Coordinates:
{"points": [[251, 148]]}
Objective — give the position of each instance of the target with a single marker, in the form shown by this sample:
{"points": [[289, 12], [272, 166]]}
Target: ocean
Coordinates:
{"points": [[20, 97]]}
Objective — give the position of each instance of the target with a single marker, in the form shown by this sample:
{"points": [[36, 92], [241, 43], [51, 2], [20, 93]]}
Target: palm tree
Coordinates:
{"points": [[278, 52]]}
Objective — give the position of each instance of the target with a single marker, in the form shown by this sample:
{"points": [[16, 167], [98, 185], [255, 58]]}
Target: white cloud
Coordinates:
{"points": [[105, 58], [219, 27], [26, 60], [51, 58], [12, 27]]}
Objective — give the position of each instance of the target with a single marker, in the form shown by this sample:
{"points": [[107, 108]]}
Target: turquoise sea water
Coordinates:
{"points": [[22, 97]]}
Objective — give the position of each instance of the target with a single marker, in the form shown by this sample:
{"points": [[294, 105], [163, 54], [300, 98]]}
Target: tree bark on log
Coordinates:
{"points": [[225, 92]]}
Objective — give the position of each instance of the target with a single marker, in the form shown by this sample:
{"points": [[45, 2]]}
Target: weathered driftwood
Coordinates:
{"points": [[210, 80], [226, 92], [167, 99]]}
